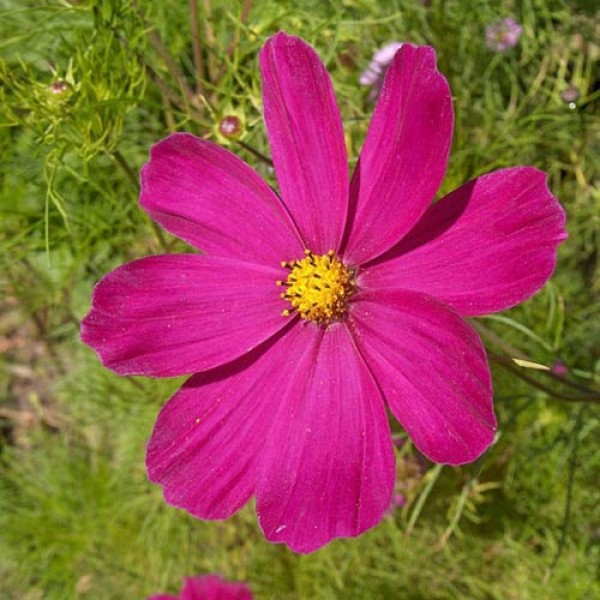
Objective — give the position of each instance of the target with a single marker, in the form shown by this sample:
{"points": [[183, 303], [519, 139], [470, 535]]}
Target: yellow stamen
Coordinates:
{"points": [[318, 287]]}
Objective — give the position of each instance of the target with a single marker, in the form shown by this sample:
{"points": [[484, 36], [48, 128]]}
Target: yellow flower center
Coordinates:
{"points": [[318, 287]]}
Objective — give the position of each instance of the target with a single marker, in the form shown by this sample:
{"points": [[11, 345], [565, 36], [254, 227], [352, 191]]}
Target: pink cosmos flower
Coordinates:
{"points": [[208, 587], [311, 311]]}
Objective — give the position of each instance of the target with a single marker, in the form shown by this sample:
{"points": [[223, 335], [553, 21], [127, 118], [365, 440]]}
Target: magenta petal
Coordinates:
{"points": [[163, 597], [307, 139], [485, 247], [432, 369], [212, 587], [178, 314], [328, 466], [404, 158], [210, 198], [208, 438]]}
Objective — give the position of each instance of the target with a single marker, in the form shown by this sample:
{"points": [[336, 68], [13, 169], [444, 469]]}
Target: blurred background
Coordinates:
{"points": [[86, 87]]}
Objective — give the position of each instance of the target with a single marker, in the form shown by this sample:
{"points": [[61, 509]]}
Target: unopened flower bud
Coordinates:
{"points": [[230, 126], [570, 94], [560, 369], [58, 87]]}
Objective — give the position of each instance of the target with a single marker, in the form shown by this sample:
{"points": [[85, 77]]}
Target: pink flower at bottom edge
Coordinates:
{"points": [[209, 587], [312, 310]]}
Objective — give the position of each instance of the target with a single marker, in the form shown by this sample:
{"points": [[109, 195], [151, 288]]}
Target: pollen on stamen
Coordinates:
{"points": [[318, 287]]}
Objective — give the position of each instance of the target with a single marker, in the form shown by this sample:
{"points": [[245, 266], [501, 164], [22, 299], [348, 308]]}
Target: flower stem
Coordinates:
{"points": [[246, 7], [507, 363], [256, 153], [122, 162], [196, 46], [163, 52], [571, 478]]}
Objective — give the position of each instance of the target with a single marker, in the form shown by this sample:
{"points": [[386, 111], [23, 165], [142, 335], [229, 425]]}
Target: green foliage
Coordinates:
{"points": [[86, 87]]}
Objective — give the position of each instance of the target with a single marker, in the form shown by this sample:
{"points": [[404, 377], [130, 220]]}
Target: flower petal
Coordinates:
{"points": [[210, 198], [404, 158], [307, 139], [178, 314], [432, 370], [328, 464], [485, 247], [212, 587], [207, 440]]}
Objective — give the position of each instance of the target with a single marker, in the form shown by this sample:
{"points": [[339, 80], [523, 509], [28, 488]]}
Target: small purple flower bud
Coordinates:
{"points": [[230, 126], [502, 35], [398, 501], [58, 87], [560, 369], [570, 94]]}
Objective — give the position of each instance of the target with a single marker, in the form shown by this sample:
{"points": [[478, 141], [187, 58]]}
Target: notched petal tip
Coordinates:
{"points": [[561, 214], [475, 450], [427, 55], [166, 144], [278, 44], [92, 334], [283, 38], [303, 547]]}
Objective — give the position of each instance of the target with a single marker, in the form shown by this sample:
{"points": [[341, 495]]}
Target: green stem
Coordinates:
{"points": [[196, 46], [122, 162], [434, 474], [568, 501], [256, 153], [163, 52], [507, 363]]}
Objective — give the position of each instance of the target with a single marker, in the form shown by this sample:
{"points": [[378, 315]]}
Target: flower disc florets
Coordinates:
{"points": [[318, 287]]}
